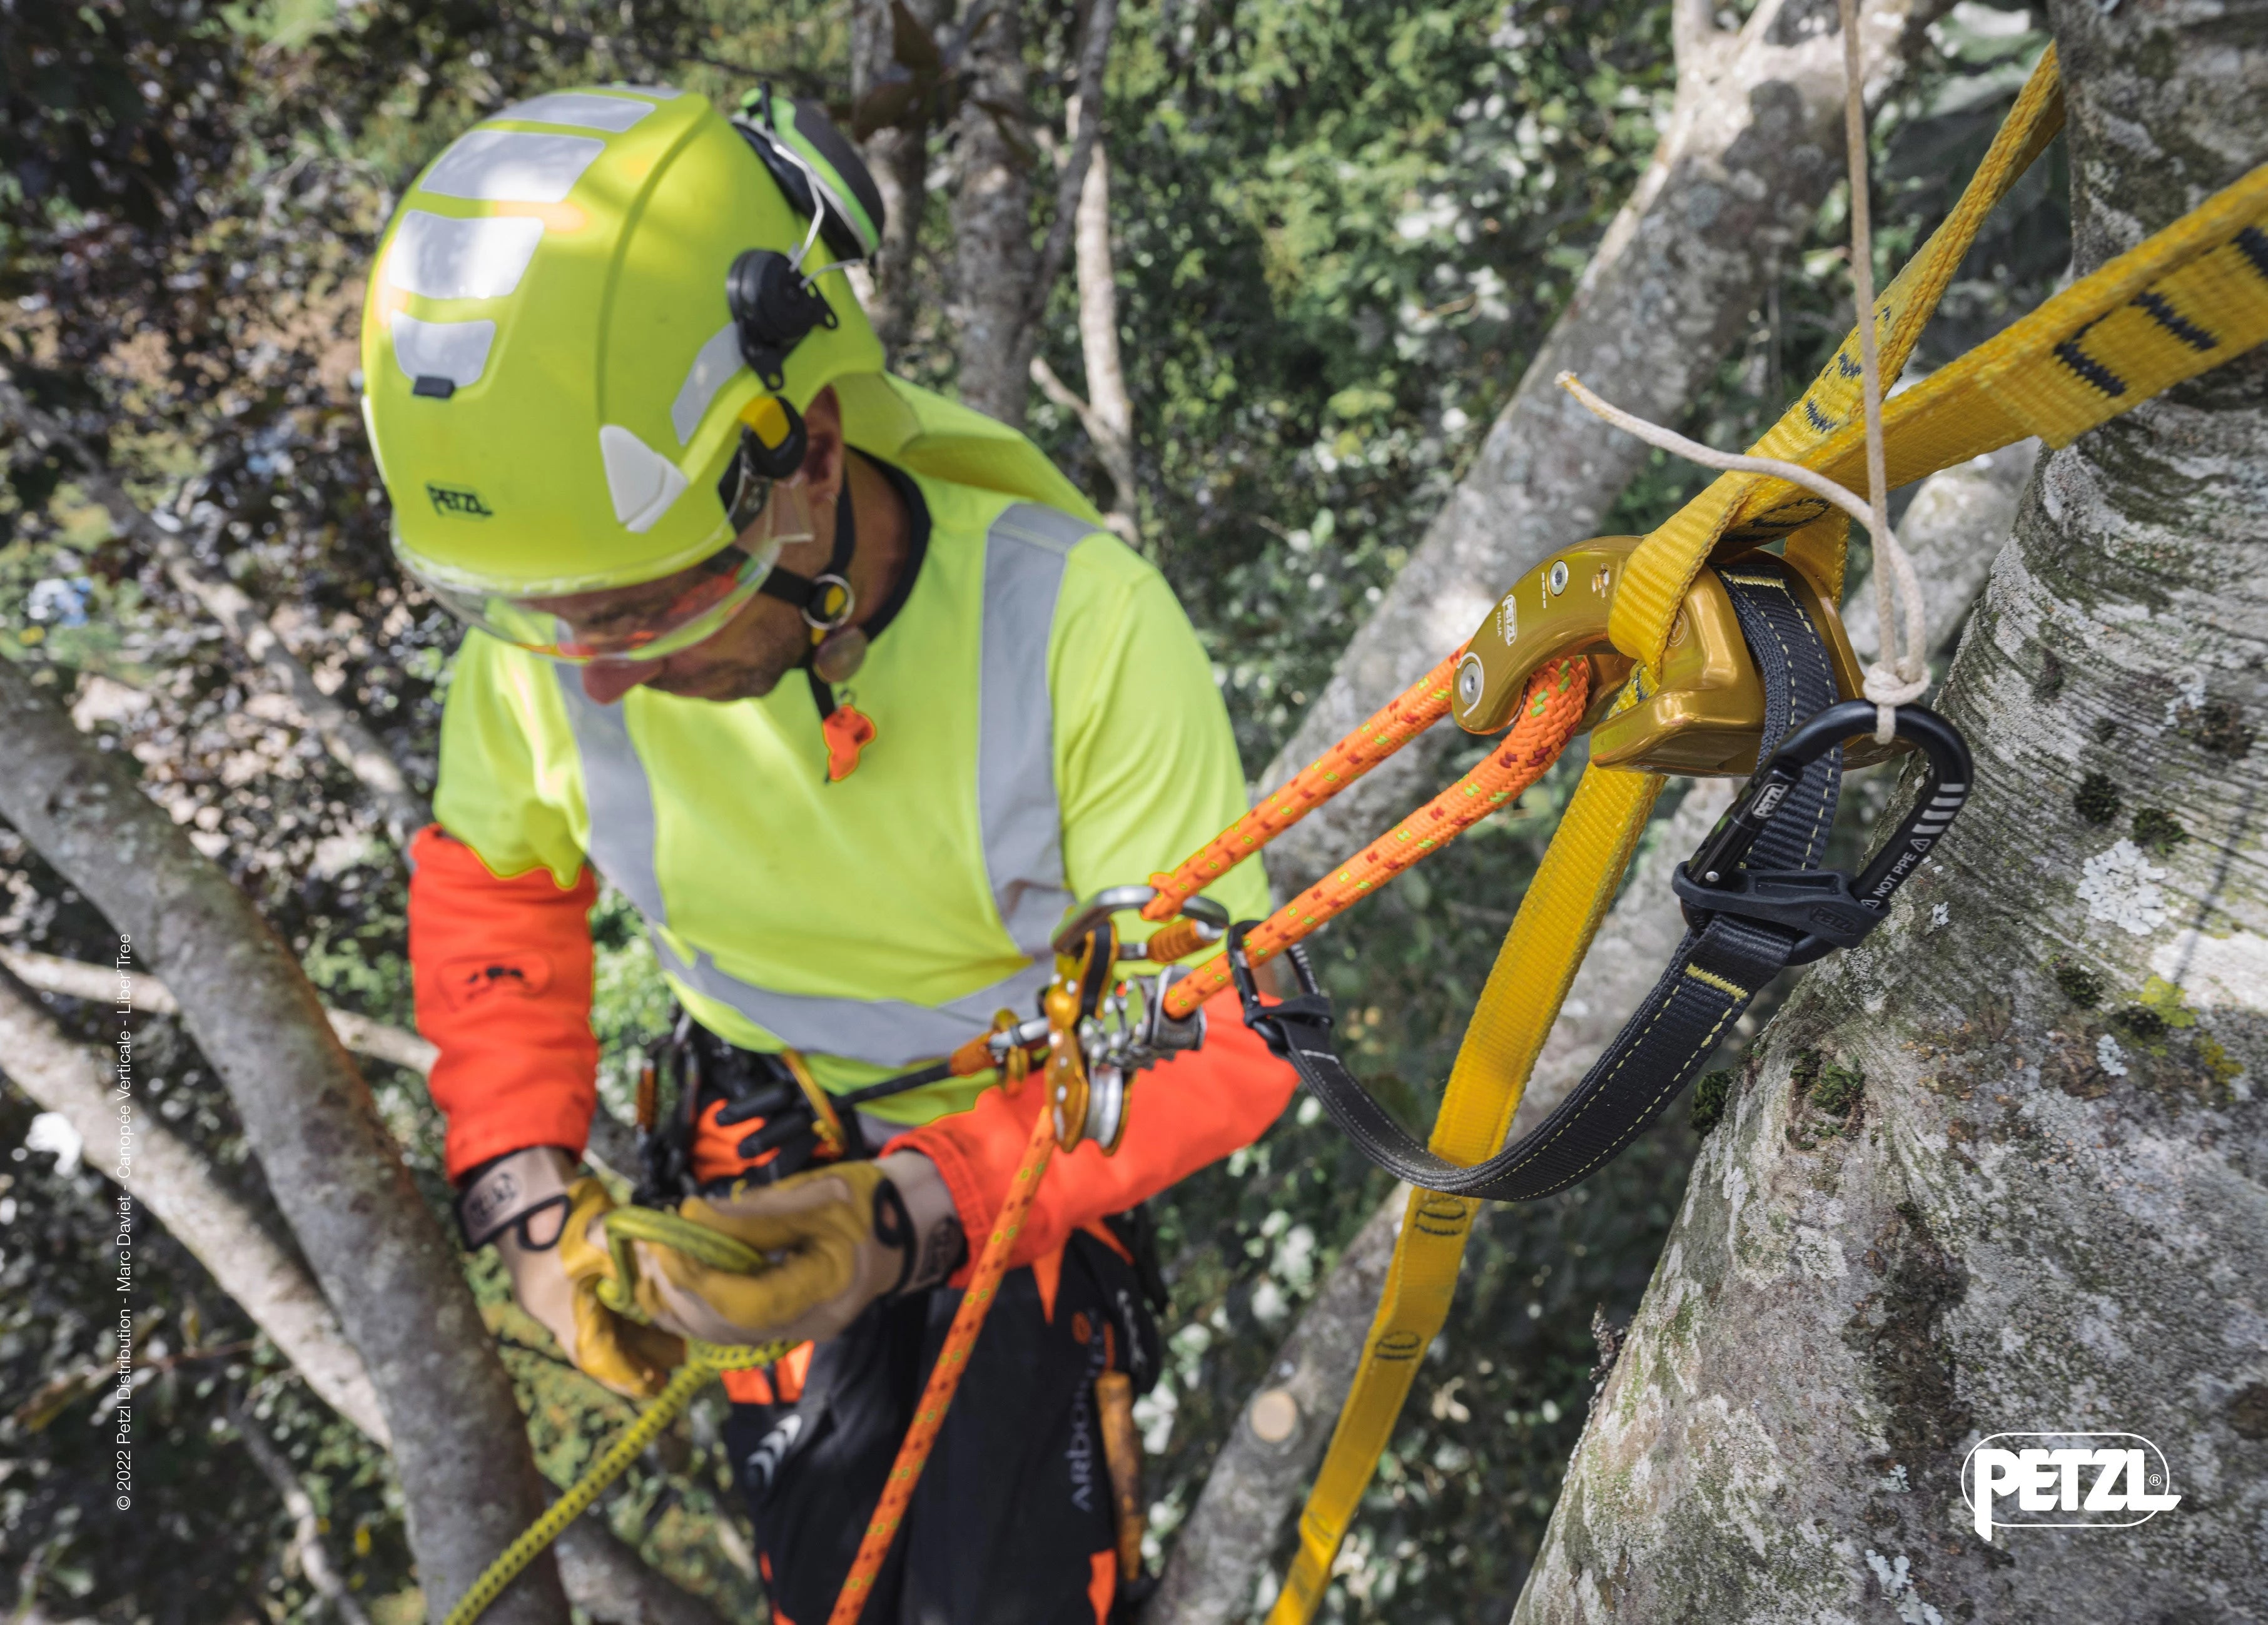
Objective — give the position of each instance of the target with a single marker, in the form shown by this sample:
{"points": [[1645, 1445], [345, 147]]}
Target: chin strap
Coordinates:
{"points": [[827, 603]]}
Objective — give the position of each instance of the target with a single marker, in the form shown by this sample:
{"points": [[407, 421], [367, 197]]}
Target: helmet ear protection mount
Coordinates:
{"points": [[774, 302]]}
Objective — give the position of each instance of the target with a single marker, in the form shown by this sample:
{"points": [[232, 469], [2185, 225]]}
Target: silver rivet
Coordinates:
{"points": [[1469, 681], [1558, 576]]}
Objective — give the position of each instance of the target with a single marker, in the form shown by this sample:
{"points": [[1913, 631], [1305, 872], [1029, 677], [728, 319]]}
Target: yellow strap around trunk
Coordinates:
{"points": [[2189, 298], [1570, 895]]}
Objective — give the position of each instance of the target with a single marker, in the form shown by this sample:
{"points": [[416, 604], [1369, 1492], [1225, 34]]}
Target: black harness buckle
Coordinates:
{"points": [[1313, 1003], [1830, 909]]}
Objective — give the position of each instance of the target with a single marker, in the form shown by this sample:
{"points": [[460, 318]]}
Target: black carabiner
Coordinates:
{"points": [[1829, 906], [1313, 1003]]}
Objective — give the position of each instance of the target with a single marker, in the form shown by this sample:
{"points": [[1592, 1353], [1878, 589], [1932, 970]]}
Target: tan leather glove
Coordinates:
{"points": [[546, 1225], [836, 1238]]}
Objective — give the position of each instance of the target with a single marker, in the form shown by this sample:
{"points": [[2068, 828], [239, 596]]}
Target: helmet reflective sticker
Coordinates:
{"points": [[642, 481], [713, 366], [437, 257], [511, 166], [455, 350], [577, 108]]}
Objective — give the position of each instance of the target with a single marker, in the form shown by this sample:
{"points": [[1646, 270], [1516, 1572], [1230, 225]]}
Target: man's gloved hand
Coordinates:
{"points": [[838, 1238], [546, 1226]]}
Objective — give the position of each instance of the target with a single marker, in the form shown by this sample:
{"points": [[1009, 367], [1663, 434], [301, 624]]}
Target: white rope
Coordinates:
{"points": [[1886, 544], [1899, 672]]}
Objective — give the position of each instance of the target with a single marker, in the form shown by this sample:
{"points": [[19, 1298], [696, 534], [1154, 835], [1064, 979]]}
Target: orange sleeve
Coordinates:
{"points": [[502, 971], [1182, 1115]]}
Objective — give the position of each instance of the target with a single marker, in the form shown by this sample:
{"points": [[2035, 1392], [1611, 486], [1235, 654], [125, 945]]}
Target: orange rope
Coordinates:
{"points": [[1548, 713], [944, 1376], [1176, 941], [1415, 709]]}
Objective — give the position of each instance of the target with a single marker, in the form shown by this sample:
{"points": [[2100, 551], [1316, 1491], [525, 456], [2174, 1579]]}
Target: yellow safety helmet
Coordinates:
{"points": [[591, 327]]}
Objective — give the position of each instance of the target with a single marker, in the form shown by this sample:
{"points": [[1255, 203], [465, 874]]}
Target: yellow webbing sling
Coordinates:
{"points": [[2187, 298]]}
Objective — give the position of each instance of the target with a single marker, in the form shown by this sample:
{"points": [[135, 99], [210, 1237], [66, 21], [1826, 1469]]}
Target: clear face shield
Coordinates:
{"points": [[652, 620]]}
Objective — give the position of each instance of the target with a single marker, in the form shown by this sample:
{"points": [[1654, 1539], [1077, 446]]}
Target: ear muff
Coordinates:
{"points": [[843, 230], [773, 307], [847, 200], [773, 300]]}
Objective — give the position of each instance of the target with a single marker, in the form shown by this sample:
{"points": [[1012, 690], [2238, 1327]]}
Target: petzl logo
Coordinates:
{"points": [[458, 500], [2065, 1480]]}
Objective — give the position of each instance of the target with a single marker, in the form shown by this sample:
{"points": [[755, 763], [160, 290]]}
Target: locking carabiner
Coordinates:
{"points": [[1829, 906]]}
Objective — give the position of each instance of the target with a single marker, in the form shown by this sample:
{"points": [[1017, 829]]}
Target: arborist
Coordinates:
{"points": [[842, 686]]}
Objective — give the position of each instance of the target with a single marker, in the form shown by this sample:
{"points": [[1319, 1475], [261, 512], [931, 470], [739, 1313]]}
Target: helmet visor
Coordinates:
{"points": [[647, 620]]}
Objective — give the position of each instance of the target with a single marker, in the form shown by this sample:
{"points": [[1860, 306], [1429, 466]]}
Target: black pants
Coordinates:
{"points": [[1012, 1523]]}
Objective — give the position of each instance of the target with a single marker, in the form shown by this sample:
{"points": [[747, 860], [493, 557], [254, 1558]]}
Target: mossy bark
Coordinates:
{"points": [[2002, 1168]]}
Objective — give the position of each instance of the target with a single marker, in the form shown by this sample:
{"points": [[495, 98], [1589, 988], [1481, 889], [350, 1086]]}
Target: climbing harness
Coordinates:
{"points": [[1096, 1029]]}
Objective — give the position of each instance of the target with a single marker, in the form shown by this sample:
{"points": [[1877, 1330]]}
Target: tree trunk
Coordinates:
{"points": [[2041, 1205], [898, 158], [1955, 525], [459, 1441], [993, 257], [1753, 143]]}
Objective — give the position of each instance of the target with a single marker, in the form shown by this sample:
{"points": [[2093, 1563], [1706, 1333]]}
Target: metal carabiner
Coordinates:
{"points": [[1829, 906], [1210, 918]]}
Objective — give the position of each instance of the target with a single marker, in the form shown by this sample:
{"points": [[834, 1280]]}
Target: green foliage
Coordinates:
{"points": [[1838, 1089], [1341, 232], [1710, 1098]]}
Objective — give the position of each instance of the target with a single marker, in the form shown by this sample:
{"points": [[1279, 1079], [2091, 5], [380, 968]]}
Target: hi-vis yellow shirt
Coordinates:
{"points": [[1047, 725]]}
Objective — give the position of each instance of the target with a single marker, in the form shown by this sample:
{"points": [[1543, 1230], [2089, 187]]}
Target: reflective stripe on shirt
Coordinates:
{"points": [[1022, 820]]}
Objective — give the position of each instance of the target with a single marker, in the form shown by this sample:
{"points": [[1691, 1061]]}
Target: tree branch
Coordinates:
{"points": [[1095, 50], [613, 1145], [603, 1577], [77, 978], [344, 735], [1112, 407], [383, 1262], [170, 1179], [306, 1528]]}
